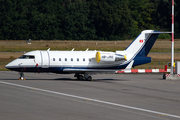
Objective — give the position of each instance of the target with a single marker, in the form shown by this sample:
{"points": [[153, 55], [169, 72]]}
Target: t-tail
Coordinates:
{"points": [[138, 50]]}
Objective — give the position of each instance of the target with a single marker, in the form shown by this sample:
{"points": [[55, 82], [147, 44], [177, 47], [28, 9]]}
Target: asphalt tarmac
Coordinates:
{"points": [[108, 97]]}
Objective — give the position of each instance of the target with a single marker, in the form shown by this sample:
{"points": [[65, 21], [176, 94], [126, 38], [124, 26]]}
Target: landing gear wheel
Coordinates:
{"points": [[21, 76], [80, 77], [89, 78]]}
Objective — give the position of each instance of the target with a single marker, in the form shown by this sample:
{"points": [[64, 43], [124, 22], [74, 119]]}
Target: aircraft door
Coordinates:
{"points": [[45, 60]]}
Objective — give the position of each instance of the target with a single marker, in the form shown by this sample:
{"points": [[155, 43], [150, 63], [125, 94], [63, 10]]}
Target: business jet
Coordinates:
{"points": [[85, 63]]}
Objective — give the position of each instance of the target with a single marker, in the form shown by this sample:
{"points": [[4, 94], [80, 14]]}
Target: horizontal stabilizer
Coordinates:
{"points": [[157, 32]]}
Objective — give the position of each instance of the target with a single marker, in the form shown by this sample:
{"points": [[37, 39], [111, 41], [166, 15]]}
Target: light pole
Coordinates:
{"points": [[172, 43]]}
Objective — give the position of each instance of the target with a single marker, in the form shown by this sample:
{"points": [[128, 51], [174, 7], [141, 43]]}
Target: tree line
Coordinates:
{"points": [[84, 19]]}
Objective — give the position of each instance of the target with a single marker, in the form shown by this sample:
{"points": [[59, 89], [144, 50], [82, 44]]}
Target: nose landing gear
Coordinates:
{"points": [[21, 76]]}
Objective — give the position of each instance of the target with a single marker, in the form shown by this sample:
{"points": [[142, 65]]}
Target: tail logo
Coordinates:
{"points": [[141, 41]]}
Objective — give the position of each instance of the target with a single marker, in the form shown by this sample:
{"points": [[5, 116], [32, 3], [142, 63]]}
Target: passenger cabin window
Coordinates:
{"points": [[65, 59], [77, 59], [83, 59], [59, 59], [53, 59], [27, 57], [71, 59]]}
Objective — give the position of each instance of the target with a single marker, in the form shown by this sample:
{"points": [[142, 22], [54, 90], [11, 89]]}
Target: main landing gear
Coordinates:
{"points": [[21, 76], [81, 77]]}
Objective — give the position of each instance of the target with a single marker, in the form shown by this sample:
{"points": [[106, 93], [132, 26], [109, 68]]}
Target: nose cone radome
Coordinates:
{"points": [[8, 66], [12, 65]]}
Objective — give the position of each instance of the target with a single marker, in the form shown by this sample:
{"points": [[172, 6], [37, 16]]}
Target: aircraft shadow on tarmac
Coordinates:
{"points": [[70, 79]]}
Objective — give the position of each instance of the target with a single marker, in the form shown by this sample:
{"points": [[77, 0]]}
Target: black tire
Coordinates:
{"points": [[80, 77], [89, 78]]}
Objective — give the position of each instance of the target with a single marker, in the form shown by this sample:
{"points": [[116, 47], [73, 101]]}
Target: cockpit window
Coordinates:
{"points": [[27, 57]]}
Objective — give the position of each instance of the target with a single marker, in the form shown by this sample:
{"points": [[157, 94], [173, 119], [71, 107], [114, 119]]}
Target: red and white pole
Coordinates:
{"points": [[172, 44]]}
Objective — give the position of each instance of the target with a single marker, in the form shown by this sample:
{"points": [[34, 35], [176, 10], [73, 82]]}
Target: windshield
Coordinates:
{"points": [[27, 57]]}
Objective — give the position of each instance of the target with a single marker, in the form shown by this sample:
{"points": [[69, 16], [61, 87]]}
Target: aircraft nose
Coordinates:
{"points": [[11, 65], [8, 66]]}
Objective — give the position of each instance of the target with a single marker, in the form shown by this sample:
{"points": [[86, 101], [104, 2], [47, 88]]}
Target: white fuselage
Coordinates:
{"points": [[57, 61]]}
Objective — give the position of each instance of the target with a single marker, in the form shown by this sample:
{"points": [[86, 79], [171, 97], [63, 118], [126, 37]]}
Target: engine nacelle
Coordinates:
{"points": [[109, 57]]}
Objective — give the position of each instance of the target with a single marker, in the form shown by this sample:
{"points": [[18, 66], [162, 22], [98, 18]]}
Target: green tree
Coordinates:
{"points": [[76, 21], [46, 19], [84, 19], [141, 11], [112, 19], [177, 19], [162, 14]]}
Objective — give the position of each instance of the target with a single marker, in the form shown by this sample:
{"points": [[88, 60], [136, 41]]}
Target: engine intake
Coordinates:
{"points": [[109, 57]]}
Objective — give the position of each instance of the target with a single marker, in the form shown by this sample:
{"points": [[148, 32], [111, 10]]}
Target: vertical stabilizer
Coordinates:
{"points": [[140, 47], [143, 43]]}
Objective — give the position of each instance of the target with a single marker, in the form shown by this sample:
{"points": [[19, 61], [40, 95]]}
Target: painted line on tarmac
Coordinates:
{"points": [[99, 101]]}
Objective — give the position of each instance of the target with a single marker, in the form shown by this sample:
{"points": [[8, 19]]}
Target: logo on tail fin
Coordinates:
{"points": [[141, 41]]}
